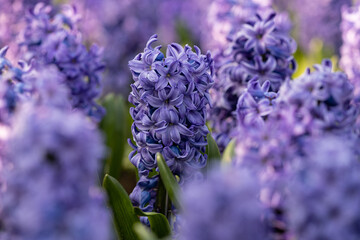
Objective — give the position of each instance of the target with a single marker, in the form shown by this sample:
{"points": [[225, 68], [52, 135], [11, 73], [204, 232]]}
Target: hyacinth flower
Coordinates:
{"points": [[225, 206], [12, 22], [225, 17], [41, 85], [351, 41], [255, 104], [323, 101], [260, 51], [170, 94], [317, 103], [12, 87], [54, 40], [323, 197], [51, 183], [45, 87]]}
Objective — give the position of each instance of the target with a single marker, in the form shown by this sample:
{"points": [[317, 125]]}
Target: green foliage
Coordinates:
{"points": [[184, 34], [229, 152], [123, 211], [169, 181], [158, 222], [317, 52], [212, 151], [143, 232], [115, 126]]}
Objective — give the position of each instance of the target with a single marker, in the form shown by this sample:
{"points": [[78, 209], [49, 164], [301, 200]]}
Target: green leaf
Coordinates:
{"points": [[229, 152], [123, 211], [143, 232], [169, 181], [158, 222], [114, 125], [162, 199], [212, 150]]}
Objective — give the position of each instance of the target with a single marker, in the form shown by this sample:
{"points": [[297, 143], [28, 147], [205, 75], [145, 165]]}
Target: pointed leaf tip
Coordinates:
{"points": [[229, 152], [158, 222], [212, 149]]}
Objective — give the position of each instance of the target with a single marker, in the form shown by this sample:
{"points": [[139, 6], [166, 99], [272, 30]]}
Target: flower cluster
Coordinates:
{"points": [[317, 103], [322, 101], [255, 104], [228, 198], [170, 95], [267, 148], [226, 17], [41, 85], [55, 41], [257, 51], [351, 41], [324, 195], [51, 179], [12, 22], [45, 88], [12, 87], [316, 108]]}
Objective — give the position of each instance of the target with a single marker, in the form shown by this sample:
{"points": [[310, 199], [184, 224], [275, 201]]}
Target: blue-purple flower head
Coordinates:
{"points": [[54, 40], [263, 51], [12, 22], [255, 104], [278, 149], [44, 85], [51, 180], [12, 87], [316, 103], [225, 17], [323, 198], [224, 206], [268, 148], [170, 95], [323, 100], [258, 52]]}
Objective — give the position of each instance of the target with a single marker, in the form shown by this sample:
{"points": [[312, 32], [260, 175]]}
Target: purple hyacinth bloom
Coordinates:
{"points": [[323, 198], [267, 148], [351, 41], [12, 87], [45, 87], [12, 21], [255, 104], [225, 17], [170, 95], [54, 40], [323, 100], [258, 51], [51, 178], [316, 103], [309, 112], [224, 206]]}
